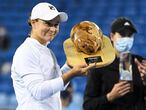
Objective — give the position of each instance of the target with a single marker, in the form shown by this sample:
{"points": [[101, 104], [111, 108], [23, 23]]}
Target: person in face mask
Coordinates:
{"points": [[104, 89], [122, 34]]}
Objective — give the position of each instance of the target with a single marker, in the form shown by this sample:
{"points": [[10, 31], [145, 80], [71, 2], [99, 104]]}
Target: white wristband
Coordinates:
{"points": [[65, 68]]}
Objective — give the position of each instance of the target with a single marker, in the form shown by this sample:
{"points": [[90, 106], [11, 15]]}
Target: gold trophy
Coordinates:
{"points": [[87, 44]]}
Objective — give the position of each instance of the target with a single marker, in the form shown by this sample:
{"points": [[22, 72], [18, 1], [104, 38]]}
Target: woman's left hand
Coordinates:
{"points": [[142, 68]]}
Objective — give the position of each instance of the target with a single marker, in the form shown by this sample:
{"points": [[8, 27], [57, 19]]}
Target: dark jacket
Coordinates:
{"points": [[101, 81]]}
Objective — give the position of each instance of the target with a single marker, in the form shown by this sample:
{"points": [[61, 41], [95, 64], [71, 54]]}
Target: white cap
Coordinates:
{"points": [[47, 11]]}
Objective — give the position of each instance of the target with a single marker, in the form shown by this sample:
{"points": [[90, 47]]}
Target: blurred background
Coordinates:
{"points": [[14, 29]]}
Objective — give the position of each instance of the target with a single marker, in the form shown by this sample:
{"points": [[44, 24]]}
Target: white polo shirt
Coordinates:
{"points": [[36, 77]]}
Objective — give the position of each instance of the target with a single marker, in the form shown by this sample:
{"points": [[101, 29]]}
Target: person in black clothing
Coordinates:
{"points": [[104, 90]]}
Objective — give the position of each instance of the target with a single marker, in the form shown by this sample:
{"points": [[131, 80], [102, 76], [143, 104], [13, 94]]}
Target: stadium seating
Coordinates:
{"points": [[14, 15]]}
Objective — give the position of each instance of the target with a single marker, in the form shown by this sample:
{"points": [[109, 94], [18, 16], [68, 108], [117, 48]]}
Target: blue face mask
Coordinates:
{"points": [[124, 44]]}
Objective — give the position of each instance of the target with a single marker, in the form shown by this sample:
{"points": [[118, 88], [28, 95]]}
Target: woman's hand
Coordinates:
{"points": [[82, 69], [119, 90], [78, 70], [142, 68]]}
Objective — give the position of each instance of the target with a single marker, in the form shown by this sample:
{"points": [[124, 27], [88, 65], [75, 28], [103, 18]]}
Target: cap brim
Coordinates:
{"points": [[102, 57], [132, 28], [127, 27], [63, 16]]}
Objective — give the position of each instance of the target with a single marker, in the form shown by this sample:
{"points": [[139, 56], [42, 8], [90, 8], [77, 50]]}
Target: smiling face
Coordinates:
{"points": [[45, 31]]}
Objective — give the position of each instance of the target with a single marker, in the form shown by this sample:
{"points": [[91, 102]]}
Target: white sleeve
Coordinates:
{"points": [[41, 89], [65, 68], [28, 68]]}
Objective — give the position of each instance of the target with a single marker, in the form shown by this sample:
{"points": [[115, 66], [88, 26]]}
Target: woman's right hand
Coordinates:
{"points": [[82, 69], [79, 70], [119, 90]]}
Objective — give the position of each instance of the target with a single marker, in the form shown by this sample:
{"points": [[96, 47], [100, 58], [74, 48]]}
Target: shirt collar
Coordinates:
{"points": [[35, 42]]}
